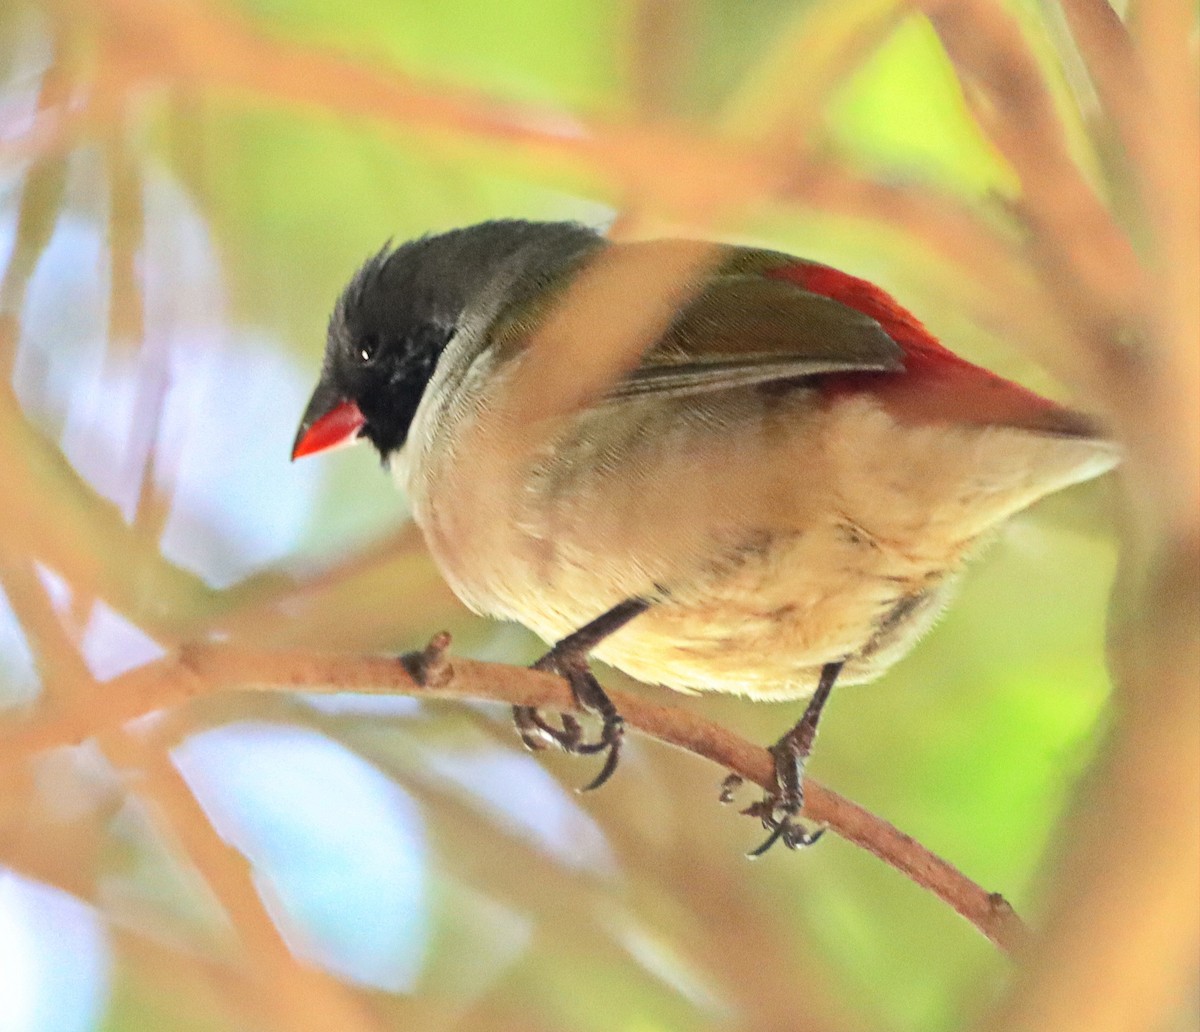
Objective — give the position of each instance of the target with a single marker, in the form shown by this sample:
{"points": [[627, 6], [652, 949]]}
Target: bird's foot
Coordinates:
{"points": [[780, 808], [569, 659], [538, 733]]}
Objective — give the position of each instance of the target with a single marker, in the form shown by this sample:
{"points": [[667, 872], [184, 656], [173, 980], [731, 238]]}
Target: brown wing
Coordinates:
{"points": [[746, 329]]}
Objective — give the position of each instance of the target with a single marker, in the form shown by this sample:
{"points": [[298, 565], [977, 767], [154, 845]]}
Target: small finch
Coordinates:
{"points": [[778, 496]]}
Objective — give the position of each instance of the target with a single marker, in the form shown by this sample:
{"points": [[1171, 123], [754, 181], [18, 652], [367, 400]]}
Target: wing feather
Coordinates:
{"points": [[744, 329]]}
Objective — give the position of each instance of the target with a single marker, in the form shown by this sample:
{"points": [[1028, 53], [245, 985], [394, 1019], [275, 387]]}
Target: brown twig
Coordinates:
{"points": [[1072, 235], [52, 514], [300, 996], [59, 664], [667, 169], [202, 670], [1112, 65]]}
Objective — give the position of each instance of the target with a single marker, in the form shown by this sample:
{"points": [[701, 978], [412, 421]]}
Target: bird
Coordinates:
{"points": [[777, 497]]}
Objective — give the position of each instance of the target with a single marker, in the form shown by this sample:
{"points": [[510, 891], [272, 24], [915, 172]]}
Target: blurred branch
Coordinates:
{"points": [[41, 199], [1112, 65], [1002, 292], [312, 601], [780, 102], [1119, 940], [189, 976], [300, 996], [1122, 923], [659, 47], [727, 923], [515, 871], [53, 515], [1164, 416], [1096, 274], [201, 670], [36, 838], [663, 168], [198, 985], [620, 303], [59, 664], [126, 230], [1117, 948]]}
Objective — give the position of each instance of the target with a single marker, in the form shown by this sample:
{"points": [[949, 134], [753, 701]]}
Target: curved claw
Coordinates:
{"points": [[805, 838], [729, 786], [779, 811], [611, 736], [791, 834], [777, 833], [610, 765], [534, 736], [537, 733]]}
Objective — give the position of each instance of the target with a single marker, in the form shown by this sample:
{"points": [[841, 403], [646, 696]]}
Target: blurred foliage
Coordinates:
{"points": [[182, 246]]}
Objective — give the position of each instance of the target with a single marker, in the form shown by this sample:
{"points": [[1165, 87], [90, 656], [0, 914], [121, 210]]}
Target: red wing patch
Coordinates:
{"points": [[937, 386]]}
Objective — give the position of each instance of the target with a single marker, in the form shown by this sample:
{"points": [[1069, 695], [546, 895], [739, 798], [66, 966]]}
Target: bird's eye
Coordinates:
{"points": [[368, 348]]}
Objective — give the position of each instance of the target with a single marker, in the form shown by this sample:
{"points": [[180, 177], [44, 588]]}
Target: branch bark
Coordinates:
{"points": [[203, 670]]}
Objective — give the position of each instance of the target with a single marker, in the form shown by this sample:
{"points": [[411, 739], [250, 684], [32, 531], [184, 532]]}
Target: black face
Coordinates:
{"points": [[386, 375], [383, 344], [391, 400]]}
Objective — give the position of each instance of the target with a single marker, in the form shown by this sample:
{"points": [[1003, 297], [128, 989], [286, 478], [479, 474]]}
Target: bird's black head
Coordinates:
{"points": [[397, 315]]}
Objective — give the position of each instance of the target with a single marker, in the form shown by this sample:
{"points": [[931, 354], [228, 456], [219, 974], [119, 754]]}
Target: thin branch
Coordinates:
{"points": [[1098, 277], [665, 168], [779, 103], [60, 666], [301, 997], [202, 670], [52, 514], [1112, 65]]}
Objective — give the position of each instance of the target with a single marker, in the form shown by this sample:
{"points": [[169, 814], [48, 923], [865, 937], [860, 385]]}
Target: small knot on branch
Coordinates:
{"points": [[430, 667], [1004, 926]]}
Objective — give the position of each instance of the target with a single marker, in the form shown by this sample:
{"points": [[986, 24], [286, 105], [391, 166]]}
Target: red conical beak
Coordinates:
{"points": [[334, 427]]}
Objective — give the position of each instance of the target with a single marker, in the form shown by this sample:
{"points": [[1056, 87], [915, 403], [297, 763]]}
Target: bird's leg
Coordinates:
{"points": [[569, 659], [779, 808]]}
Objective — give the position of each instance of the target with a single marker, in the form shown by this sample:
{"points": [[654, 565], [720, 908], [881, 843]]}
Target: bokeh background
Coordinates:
{"points": [[184, 188]]}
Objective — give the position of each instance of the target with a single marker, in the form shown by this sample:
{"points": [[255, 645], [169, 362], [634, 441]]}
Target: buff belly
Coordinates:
{"points": [[766, 628]]}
